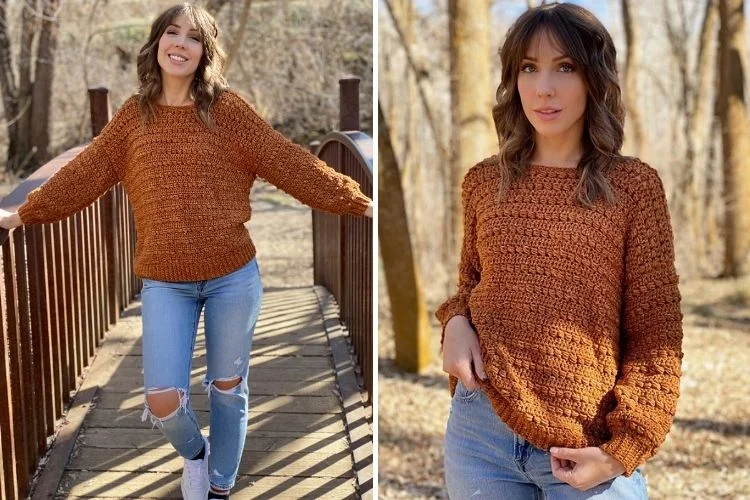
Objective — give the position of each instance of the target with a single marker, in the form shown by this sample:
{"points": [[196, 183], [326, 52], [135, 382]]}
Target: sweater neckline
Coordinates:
{"points": [[552, 171], [182, 108]]}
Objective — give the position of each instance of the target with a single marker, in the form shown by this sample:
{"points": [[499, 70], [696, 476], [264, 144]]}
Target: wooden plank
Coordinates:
{"points": [[266, 463], [164, 486], [256, 374], [99, 437], [278, 404], [268, 349], [54, 469], [357, 426], [257, 387], [265, 362], [288, 423]]}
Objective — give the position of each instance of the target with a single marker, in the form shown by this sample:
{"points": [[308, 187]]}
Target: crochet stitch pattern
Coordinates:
{"points": [[577, 309], [189, 185]]}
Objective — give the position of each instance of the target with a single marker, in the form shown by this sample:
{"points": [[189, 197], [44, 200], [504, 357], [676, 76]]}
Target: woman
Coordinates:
{"points": [[563, 342], [187, 151]]}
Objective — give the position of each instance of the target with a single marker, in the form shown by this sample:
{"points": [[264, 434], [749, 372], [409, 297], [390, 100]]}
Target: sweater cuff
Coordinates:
{"points": [[28, 215], [358, 204], [447, 311], [630, 451]]}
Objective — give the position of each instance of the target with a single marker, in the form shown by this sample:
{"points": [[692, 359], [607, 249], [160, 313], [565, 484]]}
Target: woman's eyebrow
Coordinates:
{"points": [[178, 26]]}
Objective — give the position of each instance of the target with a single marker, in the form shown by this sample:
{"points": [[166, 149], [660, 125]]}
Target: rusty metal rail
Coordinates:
{"points": [[62, 286], [343, 244]]}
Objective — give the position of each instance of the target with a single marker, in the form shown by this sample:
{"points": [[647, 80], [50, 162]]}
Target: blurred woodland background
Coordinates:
{"points": [[285, 57], [682, 66]]}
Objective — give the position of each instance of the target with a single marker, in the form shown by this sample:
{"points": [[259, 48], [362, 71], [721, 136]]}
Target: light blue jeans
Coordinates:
{"points": [[171, 312], [486, 459]]}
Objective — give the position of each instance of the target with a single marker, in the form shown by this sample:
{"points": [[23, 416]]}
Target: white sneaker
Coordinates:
{"points": [[194, 482]]}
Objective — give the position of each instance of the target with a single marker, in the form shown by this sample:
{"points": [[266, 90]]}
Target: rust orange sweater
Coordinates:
{"points": [[577, 310], [189, 185]]}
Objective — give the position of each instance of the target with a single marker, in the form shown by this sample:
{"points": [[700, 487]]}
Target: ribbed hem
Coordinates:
{"points": [[537, 433], [630, 451], [212, 266]]}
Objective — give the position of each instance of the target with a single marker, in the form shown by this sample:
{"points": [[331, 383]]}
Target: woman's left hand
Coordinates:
{"points": [[368, 212], [584, 468], [9, 220]]}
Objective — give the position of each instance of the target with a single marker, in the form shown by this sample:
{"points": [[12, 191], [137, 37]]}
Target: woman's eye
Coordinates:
{"points": [[567, 68], [527, 68]]}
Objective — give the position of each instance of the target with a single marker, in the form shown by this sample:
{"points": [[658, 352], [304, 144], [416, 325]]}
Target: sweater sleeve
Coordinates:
{"points": [[296, 171], [648, 382], [469, 267], [84, 178]]}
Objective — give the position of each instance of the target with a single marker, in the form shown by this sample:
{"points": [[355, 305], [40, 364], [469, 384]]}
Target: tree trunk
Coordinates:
{"points": [[632, 63], [734, 127], [8, 87], [214, 6], [701, 136], [239, 34], [43, 78], [471, 105], [408, 308]]}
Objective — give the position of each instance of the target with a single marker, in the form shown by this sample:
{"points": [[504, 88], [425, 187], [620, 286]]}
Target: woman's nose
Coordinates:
{"points": [[544, 87]]}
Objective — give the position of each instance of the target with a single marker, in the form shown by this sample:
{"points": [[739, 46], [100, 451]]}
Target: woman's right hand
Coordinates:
{"points": [[461, 350]]}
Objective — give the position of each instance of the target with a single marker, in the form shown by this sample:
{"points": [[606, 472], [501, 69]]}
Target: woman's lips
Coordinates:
{"points": [[547, 114]]}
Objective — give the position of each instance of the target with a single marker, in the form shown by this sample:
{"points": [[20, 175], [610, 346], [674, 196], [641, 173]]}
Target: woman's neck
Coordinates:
{"points": [[557, 151], [175, 92]]}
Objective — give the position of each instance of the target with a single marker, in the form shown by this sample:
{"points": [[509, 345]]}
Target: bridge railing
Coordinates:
{"points": [[343, 244], [62, 286]]}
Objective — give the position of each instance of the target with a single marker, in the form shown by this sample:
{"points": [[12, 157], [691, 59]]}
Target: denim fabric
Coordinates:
{"points": [[486, 459], [171, 312]]}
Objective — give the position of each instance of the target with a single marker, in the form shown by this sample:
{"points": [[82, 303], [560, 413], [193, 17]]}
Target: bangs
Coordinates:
{"points": [[562, 34]]}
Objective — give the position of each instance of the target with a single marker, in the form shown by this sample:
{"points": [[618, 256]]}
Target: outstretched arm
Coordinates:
{"points": [[84, 178], [295, 170]]}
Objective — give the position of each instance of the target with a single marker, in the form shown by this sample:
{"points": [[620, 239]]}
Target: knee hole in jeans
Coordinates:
{"points": [[163, 403]]}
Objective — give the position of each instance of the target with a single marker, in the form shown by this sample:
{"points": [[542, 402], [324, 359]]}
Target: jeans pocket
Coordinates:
{"points": [[465, 394]]}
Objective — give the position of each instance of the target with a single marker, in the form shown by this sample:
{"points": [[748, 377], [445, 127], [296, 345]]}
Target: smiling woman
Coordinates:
{"points": [[176, 143]]}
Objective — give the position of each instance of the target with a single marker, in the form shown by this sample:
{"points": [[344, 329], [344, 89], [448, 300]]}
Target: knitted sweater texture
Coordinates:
{"points": [[577, 309], [189, 185]]}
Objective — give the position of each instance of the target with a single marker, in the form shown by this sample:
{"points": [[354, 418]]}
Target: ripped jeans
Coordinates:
{"points": [[171, 312]]}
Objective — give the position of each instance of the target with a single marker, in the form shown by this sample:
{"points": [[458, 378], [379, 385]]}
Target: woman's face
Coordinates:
{"points": [[553, 94], [180, 48]]}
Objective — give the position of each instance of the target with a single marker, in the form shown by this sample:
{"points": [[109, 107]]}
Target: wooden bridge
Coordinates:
{"points": [[71, 331]]}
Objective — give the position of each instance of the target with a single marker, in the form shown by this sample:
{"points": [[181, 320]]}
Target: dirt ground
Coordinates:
{"points": [[706, 455]]}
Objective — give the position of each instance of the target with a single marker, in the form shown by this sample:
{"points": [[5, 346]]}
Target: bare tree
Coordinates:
{"points": [[632, 63], [734, 129], [408, 307], [26, 101], [471, 106], [239, 34]]}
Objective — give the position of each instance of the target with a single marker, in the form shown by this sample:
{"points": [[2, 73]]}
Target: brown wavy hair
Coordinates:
{"points": [[209, 81], [581, 36]]}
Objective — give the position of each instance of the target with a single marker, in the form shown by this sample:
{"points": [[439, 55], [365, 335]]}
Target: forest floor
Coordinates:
{"points": [[705, 455]]}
